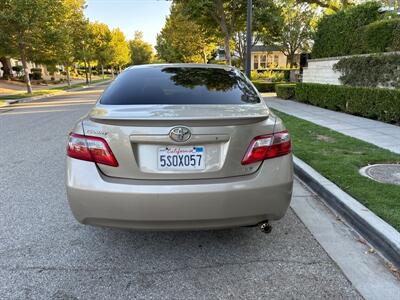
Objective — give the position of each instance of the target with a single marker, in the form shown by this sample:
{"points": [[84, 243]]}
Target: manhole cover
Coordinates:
{"points": [[385, 173]]}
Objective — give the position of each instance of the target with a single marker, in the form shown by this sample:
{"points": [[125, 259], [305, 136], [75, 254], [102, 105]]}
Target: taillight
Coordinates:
{"points": [[267, 146], [90, 148]]}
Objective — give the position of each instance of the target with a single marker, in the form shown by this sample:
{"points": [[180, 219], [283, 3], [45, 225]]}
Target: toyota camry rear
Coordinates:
{"points": [[179, 146]]}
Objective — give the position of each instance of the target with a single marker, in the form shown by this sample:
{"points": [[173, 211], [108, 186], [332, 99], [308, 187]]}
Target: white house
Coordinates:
{"points": [[263, 57], [15, 62]]}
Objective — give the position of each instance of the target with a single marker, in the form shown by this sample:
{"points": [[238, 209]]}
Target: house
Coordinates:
{"points": [[262, 57], [269, 57], [31, 65]]}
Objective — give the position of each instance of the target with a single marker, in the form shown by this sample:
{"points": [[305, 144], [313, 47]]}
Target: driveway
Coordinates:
{"points": [[46, 254]]}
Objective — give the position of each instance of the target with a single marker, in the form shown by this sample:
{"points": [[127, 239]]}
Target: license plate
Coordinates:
{"points": [[181, 158]]}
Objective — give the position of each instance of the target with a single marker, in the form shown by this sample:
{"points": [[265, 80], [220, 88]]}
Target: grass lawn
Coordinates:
{"points": [[339, 157], [48, 91], [78, 85], [34, 93]]}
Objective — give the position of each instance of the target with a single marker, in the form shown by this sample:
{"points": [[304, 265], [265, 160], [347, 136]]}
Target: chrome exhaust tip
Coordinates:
{"points": [[265, 227]]}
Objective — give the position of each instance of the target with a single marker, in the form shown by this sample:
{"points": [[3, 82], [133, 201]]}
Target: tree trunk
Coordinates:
{"points": [[7, 73], [68, 76], [291, 60], [225, 30], [119, 69], [102, 70], [205, 56], [86, 71], [90, 73], [227, 48], [26, 69], [241, 49], [112, 72]]}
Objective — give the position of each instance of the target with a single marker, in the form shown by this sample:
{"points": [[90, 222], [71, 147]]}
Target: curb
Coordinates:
{"points": [[30, 99], [382, 236]]}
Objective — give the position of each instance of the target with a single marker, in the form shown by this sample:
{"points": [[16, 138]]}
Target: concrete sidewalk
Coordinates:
{"points": [[378, 133]]}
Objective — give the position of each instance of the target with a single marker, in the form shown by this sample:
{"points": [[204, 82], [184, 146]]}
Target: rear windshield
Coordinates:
{"points": [[179, 85]]}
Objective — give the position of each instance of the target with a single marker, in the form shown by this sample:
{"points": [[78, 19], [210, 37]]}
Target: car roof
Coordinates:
{"points": [[183, 65]]}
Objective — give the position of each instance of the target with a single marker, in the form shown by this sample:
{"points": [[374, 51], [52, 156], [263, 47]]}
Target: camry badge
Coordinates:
{"points": [[180, 134]]}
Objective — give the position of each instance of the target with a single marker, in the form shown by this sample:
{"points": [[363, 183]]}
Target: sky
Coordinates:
{"points": [[147, 16]]}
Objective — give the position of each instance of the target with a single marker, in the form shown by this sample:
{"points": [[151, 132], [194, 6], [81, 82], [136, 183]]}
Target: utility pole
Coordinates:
{"points": [[249, 38]]}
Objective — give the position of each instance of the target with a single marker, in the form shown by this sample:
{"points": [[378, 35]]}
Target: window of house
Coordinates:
{"points": [[276, 59], [263, 62], [270, 61], [255, 59]]}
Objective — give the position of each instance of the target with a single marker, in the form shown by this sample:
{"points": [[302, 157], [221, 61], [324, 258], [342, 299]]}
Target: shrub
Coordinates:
{"points": [[265, 87], [374, 103], [36, 73], [254, 75], [381, 36], [285, 91], [268, 75], [17, 69], [339, 34], [370, 71], [51, 69]]}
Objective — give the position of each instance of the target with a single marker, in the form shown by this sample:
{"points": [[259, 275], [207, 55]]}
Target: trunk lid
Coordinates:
{"points": [[138, 135]]}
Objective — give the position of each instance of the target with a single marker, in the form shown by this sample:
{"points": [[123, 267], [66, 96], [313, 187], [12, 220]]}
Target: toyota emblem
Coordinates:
{"points": [[180, 134]]}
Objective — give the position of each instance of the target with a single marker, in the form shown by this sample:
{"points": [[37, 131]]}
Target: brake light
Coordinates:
{"points": [[267, 146], [90, 148]]}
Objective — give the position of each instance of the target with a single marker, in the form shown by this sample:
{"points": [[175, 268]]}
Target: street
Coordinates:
{"points": [[45, 253]]}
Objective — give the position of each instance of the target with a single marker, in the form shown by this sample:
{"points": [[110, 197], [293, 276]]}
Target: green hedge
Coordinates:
{"points": [[381, 36], [370, 71], [36, 73], [339, 34], [285, 91], [380, 104], [264, 86]]}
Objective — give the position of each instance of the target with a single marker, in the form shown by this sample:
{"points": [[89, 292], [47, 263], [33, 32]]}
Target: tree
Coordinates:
{"points": [[183, 40], [334, 5], [297, 28], [100, 42], [266, 25], [227, 15], [5, 54], [120, 50], [141, 52], [23, 24], [5, 61], [68, 37]]}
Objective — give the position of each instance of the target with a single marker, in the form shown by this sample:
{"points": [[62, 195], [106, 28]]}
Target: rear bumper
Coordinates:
{"points": [[178, 205]]}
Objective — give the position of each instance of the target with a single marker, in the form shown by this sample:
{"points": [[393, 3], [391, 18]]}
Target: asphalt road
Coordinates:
{"points": [[46, 254]]}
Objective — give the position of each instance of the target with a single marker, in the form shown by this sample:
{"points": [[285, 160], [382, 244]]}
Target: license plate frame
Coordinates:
{"points": [[181, 158]]}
